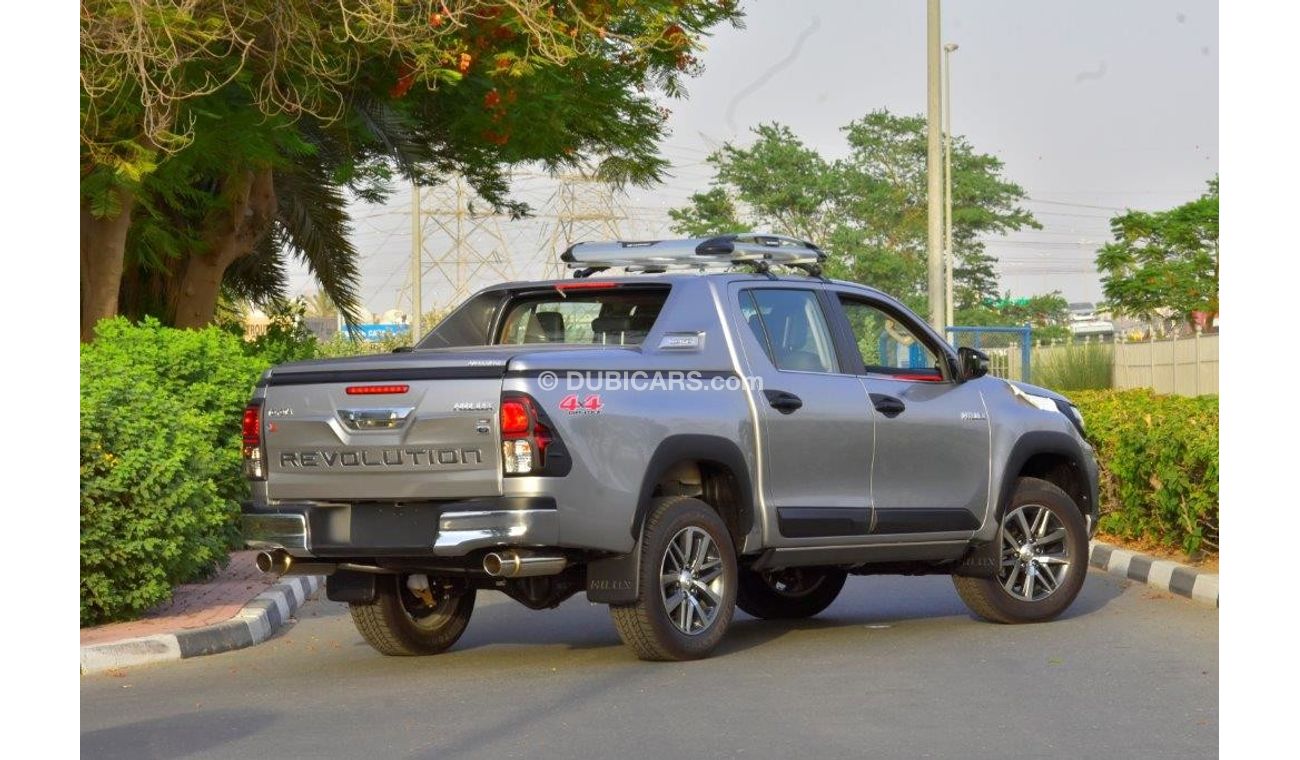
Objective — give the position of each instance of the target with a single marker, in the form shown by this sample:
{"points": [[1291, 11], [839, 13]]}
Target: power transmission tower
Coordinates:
{"points": [[584, 208], [457, 246]]}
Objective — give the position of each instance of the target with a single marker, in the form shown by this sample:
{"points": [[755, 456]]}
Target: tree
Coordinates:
{"points": [[219, 137], [868, 210], [1048, 314], [1164, 260]]}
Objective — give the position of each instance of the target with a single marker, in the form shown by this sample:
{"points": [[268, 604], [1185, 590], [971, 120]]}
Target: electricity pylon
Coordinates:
{"points": [[457, 247], [583, 208]]}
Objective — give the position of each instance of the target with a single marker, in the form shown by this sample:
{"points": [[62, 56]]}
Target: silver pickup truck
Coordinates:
{"points": [[694, 433]]}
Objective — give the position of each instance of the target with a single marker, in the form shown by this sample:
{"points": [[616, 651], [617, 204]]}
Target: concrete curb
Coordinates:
{"points": [[253, 624], [1162, 574]]}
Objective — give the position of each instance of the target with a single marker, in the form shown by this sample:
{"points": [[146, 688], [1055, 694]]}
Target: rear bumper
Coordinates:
{"points": [[430, 529]]}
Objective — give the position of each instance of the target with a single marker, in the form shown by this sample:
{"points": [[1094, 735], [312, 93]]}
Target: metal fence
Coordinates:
{"points": [[1009, 349], [1188, 366]]}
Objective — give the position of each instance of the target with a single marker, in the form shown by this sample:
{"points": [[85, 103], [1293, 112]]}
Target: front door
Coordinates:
{"points": [[816, 426], [931, 471]]}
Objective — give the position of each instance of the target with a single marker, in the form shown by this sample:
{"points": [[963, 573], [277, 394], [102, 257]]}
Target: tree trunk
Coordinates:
{"points": [[103, 250], [231, 235]]}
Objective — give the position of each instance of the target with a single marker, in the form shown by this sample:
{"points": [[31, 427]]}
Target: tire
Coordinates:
{"points": [[1059, 565], [399, 624], [796, 592], [654, 627]]}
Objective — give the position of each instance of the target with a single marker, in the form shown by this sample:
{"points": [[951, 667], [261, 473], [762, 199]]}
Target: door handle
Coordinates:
{"points": [[783, 401], [887, 405]]}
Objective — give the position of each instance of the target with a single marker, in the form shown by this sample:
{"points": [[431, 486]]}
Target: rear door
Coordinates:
{"points": [[419, 425], [816, 427], [931, 471]]}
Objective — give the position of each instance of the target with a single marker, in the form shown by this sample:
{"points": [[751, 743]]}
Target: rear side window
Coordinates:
{"points": [[791, 327]]}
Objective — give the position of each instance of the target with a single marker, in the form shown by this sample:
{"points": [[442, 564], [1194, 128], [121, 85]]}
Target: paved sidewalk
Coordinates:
{"points": [[193, 605], [239, 608]]}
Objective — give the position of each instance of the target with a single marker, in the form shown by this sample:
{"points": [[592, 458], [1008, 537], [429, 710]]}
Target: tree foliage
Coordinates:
{"points": [[225, 131], [1047, 313], [1164, 261], [867, 209]]}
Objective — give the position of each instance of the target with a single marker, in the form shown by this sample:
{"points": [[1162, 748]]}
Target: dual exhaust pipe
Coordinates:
{"points": [[508, 563]]}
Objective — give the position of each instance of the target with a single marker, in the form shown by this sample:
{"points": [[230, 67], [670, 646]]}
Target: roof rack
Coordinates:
{"points": [[758, 250]]}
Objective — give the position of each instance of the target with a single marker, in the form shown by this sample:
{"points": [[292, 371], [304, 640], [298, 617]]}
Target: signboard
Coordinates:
{"points": [[378, 332]]}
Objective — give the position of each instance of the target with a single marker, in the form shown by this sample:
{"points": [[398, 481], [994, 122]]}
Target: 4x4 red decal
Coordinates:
{"points": [[575, 404]]}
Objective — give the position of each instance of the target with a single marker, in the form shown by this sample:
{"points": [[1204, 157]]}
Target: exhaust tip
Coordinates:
{"points": [[495, 564], [277, 561]]}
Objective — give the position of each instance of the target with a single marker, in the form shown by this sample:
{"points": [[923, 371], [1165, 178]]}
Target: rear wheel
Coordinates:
{"points": [[688, 583], [795, 592], [1044, 558], [412, 616]]}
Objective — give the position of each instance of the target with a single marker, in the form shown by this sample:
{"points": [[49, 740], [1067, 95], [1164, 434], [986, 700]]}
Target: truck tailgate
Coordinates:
{"points": [[383, 431]]}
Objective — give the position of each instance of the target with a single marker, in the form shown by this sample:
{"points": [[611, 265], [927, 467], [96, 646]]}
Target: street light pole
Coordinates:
{"points": [[933, 170], [947, 177]]}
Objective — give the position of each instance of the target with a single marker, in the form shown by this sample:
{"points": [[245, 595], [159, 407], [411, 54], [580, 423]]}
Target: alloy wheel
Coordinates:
{"points": [[1035, 553], [691, 581]]}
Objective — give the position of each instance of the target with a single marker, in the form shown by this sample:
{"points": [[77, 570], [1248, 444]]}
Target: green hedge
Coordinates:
{"points": [[1160, 465], [160, 463]]}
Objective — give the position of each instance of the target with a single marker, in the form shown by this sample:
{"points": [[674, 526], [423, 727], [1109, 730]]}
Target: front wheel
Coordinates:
{"points": [[795, 592], [412, 616], [688, 583], [1044, 557]]}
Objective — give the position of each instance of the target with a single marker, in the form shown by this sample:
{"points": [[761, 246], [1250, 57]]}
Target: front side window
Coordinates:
{"points": [[791, 327], [888, 346]]}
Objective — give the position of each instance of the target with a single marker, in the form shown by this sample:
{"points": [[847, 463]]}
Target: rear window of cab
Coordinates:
{"points": [[577, 313]]}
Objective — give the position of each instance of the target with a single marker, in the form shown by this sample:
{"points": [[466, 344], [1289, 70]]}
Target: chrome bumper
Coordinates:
{"points": [[276, 531], [458, 534]]}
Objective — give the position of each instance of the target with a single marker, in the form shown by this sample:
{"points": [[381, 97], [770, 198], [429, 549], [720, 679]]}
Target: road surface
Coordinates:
{"points": [[895, 668]]}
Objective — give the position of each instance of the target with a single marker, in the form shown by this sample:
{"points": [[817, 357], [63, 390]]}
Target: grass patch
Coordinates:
{"points": [[1074, 367]]}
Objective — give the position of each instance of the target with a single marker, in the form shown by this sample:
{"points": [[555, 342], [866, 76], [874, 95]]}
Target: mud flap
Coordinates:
{"points": [[981, 561], [615, 580], [345, 586]]}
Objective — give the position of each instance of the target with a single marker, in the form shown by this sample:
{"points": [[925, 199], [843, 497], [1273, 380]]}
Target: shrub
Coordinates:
{"points": [[160, 462], [1159, 465], [1074, 366], [210, 371], [151, 515], [341, 345]]}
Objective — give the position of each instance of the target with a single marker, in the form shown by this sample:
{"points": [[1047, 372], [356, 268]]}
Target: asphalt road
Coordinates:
{"points": [[896, 668]]}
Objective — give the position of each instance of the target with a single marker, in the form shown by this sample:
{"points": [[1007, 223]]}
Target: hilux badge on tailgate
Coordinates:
{"points": [[472, 406]]}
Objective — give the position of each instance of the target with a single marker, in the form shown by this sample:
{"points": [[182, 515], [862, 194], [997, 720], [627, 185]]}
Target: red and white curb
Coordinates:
{"points": [[253, 624], [1162, 574]]}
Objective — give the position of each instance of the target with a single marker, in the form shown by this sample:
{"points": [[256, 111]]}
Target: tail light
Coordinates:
{"points": [[524, 437], [254, 461]]}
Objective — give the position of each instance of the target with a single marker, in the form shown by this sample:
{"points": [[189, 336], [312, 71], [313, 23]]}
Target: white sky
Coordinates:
{"points": [[1093, 105]]}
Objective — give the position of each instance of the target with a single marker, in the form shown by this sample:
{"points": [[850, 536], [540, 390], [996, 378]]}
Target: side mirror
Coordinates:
{"points": [[973, 363]]}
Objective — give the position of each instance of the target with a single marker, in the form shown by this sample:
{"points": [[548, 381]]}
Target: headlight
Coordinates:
{"points": [[1070, 411], [1042, 402]]}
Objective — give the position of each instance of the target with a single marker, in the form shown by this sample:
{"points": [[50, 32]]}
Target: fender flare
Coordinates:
{"points": [[983, 559], [617, 580], [705, 448]]}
